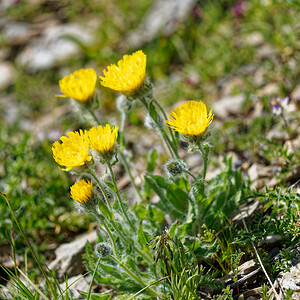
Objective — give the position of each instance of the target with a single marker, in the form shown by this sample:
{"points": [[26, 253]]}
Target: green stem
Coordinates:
{"points": [[204, 155], [28, 244], [119, 198], [101, 188], [121, 131], [165, 137], [134, 276], [150, 95], [126, 166], [288, 131], [102, 219], [191, 174], [124, 238], [93, 115], [150, 284]]}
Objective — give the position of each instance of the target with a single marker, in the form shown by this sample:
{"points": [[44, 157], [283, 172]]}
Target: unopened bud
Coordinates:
{"points": [[175, 167], [103, 249]]}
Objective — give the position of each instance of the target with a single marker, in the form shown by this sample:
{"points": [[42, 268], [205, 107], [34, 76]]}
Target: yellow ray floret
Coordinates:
{"points": [[190, 118], [103, 139], [128, 75], [80, 85], [82, 191], [73, 151]]}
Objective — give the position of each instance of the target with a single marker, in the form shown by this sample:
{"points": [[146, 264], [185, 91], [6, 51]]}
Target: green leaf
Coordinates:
{"points": [[104, 209], [173, 229], [152, 112], [141, 236], [151, 164]]}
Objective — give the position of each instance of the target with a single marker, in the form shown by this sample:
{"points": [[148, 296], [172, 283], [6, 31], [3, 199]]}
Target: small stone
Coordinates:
{"points": [[277, 134], [295, 95], [7, 77], [230, 86], [253, 171], [271, 89], [164, 16], [54, 46], [77, 283], [17, 33], [68, 261], [259, 78], [255, 39], [229, 105], [265, 52]]}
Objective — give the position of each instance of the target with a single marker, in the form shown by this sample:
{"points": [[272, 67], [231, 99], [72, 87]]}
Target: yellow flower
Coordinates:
{"points": [[190, 118], [73, 151], [128, 76], [82, 191], [80, 85], [103, 139]]}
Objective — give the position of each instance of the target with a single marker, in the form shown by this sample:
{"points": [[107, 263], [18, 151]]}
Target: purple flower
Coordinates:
{"points": [[284, 102], [276, 110], [238, 9], [278, 105]]}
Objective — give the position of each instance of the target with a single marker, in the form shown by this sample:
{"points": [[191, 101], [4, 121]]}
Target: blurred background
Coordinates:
{"points": [[235, 55]]}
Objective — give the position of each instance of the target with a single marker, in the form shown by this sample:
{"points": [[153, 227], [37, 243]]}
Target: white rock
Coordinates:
{"points": [[229, 105], [295, 95], [68, 261], [164, 16], [269, 90], [54, 46], [6, 74], [16, 33], [255, 39], [77, 283]]}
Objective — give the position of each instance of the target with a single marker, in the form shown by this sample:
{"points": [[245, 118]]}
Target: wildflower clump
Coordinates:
{"points": [[82, 191], [190, 119], [73, 151], [128, 75], [102, 139], [80, 85]]}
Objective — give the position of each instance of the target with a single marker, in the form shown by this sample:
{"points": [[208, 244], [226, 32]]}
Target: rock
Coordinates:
{"points": [[277, 134], [271, 89], [18, 33], [265, 52], [68, 261], [54, 46], [261, 175], [295, 95], [230, 86], [270, 239], [164, 16], [245, 210], [259, 78], [290, 280], [255, 39], [7, 77], [229, 105], [77, 283], [4, 4]]}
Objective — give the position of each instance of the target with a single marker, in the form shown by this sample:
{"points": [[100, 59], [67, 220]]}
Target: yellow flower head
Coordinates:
{"points": [[103, 139], [80, 85], [128, 75], [73, 151], [190, 118], [82, 191]]}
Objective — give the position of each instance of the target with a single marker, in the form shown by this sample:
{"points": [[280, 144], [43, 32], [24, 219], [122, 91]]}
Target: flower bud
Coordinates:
{"points": [[175, 167], [103, 249]]}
